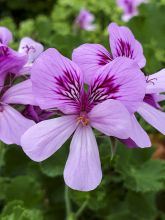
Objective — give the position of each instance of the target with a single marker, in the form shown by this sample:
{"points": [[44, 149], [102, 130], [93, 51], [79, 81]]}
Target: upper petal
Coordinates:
{"points": [[122, 80], [90, 57], [20, 93], [5, 35], [156, 82], [111, 118], [83, 168], [12, 125], [30, 47], [153, 116], [57, 82], [45, 138], [123, 43]]}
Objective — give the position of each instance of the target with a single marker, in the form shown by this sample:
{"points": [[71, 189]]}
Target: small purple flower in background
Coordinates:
{"points": [[58, 83], [32, 49], [91, 57], [84, 20], [129, 7], [12, 123]]}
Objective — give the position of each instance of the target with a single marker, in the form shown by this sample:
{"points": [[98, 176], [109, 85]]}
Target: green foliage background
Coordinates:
{"points": [[133, 185]]}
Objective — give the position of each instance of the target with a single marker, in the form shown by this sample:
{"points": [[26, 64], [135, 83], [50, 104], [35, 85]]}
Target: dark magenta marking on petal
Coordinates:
{"points": [[124, 49], [69, 88], [104, 58], [103, 88], [4, 51], [152, 100]]}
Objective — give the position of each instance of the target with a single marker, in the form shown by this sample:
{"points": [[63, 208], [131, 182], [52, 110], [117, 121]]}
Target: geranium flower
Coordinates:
{"points": [[130, 8], [84, 20], [90, 57], [150, 109], [10, 60], [32, 49], [12, 123], [58, 83]]}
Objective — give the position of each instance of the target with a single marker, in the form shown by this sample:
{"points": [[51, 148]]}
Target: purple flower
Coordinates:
{"points": [[10, 60], [90, 57], [32, 49], [84, 20], [12, 123], [150, 109], [58, 83], [129, 7], [5, 36]]}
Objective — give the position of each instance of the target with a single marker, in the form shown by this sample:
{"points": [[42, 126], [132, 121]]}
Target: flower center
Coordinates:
{"points": [[83, 119]]}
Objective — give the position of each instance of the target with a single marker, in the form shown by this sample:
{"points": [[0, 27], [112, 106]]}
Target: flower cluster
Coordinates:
{"points": [[63, 98]]}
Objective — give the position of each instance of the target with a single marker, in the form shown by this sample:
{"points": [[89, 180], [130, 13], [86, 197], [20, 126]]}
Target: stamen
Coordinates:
{"points": [[151, 80], [83, 119]]}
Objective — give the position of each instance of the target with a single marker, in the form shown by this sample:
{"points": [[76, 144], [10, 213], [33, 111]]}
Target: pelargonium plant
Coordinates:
{"points": [[95, 93]]}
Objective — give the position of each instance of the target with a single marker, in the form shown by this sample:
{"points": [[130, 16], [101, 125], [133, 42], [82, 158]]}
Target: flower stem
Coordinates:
{"points": [[67, 202], [113, 146], [81, 209]]}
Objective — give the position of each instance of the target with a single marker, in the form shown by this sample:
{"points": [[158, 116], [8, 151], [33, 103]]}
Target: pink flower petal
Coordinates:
{"points": [[45, 138], [156, 82], [138, 135], [57, 82], [122, 80], [5, 35], [30, 47], [20, 93], [123, 43], [12, 125], [111, 118], [153, 116], [83, 169], [90, 57]]}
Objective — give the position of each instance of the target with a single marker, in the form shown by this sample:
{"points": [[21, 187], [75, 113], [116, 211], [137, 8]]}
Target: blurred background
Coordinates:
{"points": [[133, 185]]}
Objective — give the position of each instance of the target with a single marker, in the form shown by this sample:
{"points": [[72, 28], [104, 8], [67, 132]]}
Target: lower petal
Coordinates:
{"points": [[138, 138], [111, 118], [83, 168], [153, 116], [45, 138], [12, 125]]}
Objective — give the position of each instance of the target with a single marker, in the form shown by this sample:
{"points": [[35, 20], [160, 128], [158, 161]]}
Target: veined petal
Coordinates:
{"points": [[90, 57], [57, 82], [12, 125], [83, 168], [138, 135], [45, 138], [156, 82], [123, 43], [153, 116], [10, 60], [30, 47], [122, 80], [111, 118], [20, 93], [5, 36]]}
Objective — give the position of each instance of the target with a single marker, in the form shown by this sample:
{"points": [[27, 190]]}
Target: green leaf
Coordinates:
{"points": [[25, 188], [15, 210]]}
